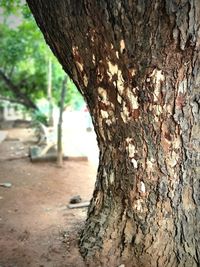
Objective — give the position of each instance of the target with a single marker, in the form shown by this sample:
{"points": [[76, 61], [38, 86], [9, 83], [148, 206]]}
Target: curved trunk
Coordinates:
{"points": [[137, 65]]}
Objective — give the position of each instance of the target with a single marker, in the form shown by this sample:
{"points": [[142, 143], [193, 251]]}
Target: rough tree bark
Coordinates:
{"points": [[137, 65]]}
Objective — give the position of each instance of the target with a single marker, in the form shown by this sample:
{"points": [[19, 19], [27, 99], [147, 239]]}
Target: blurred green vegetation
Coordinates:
{"points": [[24, 60]]}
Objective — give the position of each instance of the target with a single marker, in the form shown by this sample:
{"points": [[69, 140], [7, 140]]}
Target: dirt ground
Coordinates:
{"points": [[36, 227]]}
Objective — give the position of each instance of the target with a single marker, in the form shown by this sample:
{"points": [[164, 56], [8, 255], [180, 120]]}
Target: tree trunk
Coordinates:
{"points": [[137, 65], [59, 141], [49, 93]]}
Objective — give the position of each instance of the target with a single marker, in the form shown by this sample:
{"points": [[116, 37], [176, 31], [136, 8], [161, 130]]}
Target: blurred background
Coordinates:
{"points": [[31, 83]]}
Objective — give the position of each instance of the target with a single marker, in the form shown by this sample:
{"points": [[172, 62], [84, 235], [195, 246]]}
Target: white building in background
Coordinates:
{"points": [[11, 111], [79, 138]]}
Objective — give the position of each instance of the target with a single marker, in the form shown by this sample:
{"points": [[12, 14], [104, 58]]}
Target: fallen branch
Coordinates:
{"points": [[16, 89], [79, 205]]}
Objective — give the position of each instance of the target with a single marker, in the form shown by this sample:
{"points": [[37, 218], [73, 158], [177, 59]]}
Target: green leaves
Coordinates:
{"points": [[11, 6], [24, 57]]}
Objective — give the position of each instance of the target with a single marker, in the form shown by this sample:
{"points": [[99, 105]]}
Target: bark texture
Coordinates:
{"points": [[137, 64]]}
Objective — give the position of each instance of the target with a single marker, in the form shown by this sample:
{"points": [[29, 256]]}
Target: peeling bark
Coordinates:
{"points": [[137, 64]]}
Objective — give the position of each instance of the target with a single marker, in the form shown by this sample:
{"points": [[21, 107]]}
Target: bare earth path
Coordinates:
{"points": [[36, 227]]}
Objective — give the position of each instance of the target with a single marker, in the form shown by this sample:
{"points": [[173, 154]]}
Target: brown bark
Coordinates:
{"points": [[137, 65]]}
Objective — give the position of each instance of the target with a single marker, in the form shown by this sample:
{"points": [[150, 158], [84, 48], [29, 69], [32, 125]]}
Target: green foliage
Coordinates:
{"points": [[38, 116], [25, 57], [11, 6]]}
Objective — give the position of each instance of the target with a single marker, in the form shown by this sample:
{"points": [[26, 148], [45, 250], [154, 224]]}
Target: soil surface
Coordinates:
{"points": [[36, 227]]}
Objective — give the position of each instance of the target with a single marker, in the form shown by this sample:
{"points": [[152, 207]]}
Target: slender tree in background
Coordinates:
{"points": [[59, 140], [49, 93], [137, 64]]}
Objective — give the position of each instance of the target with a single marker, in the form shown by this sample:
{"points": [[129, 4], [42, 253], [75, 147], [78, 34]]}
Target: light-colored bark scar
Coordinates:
{"points": [[132, 71], [100, 76], [157, 78], [78, 60], [85, 80], [108, 122], [93, 59], [150, 164], [79, 65], [103, 96], [182, 86], [120, 82], [107, 114], [188, 203], [138, 205], [132, 98], [172, 159], [158, 110], [125, 112], [117, 54], [122, 46], [134, 162], [131, 152], [142, 187], [150, 168], [132, 102], [112, 69], [119, 99], [112, 177], [130, 147], [104, 114]]}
